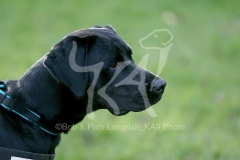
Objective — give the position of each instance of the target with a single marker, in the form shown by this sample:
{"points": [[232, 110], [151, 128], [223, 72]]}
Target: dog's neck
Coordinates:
{"points": [[40, 92], [52, 100]]}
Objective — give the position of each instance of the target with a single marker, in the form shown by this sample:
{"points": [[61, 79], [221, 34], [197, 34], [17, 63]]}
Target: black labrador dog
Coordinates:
{"points": [[87, 70]]}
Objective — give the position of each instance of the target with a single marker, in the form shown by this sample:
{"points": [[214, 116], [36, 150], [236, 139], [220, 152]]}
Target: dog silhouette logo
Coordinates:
{"points": [[162, 47], [163, 51]]}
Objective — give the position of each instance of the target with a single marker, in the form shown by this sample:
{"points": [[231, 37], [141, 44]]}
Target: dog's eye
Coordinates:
{"points": [[113, 65]]}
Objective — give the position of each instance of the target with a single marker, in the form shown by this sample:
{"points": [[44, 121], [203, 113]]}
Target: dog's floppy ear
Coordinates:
{"points": [[58, 62]]}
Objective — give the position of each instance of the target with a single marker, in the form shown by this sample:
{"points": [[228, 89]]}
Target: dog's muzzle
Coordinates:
{"points": [[141, 101]]}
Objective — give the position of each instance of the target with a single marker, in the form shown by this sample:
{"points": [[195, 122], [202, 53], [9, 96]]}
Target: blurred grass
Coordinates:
{"points": [[202, 72]]}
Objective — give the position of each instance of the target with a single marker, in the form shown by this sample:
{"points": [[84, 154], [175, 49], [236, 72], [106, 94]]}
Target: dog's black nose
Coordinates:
{"points": [[159, 85]]}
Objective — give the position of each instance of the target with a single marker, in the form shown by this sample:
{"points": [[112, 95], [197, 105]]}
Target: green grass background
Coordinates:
{"points": [[202, 71]]}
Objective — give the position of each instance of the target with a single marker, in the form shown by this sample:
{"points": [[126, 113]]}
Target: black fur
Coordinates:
{"points": [[55, 91]]}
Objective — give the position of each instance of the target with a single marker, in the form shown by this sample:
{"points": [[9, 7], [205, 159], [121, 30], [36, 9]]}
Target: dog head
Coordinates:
{"points": [[96, 63]]}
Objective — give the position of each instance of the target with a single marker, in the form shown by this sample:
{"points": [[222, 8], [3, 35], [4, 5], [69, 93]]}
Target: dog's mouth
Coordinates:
{"points": [[140, 102], [137, 104]]}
